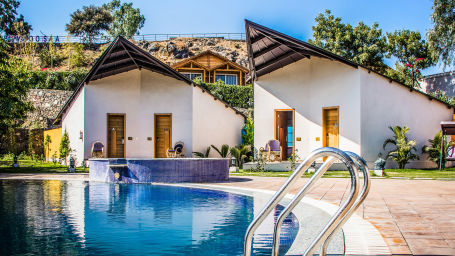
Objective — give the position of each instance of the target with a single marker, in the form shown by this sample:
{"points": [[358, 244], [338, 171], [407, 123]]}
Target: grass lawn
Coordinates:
{"points": [[390, 173], [31, 166]]}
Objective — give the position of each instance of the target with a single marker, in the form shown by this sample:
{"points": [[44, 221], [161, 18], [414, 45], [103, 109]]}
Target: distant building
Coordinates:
{"points": [[211, 67], [442, 81]]}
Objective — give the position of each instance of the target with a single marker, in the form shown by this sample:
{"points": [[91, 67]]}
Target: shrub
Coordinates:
{"points": [[64, 148], [240, 154], [248, 132], [404, 148], [223, 152], [49, 56], [203, 155], [75, 54], [240, 96], [62, 80], [434, 149]]}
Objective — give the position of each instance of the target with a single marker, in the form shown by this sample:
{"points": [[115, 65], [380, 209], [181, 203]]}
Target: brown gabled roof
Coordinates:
{"points": [[230, 62], [269, 50], [122, 56]]}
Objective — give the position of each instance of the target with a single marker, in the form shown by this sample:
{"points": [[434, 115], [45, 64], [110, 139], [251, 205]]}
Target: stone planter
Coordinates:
{"points": [[233, 169], [379, 172]]}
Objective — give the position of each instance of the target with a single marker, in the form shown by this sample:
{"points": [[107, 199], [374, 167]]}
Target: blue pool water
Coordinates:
{"points": [[82, 218]]}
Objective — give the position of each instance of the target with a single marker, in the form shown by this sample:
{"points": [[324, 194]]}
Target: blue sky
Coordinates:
{"points": [[204, 16]]}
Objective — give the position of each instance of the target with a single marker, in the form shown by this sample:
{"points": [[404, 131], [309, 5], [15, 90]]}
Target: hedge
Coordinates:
{"points": [[59, 80], [240, 96]]}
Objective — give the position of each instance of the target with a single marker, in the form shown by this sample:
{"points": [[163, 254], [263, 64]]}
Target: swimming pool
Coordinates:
{"points": [[90, 218]]}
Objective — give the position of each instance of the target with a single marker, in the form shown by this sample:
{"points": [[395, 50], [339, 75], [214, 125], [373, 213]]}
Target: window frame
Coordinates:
{"points": [[225, 75], [193, 73]]}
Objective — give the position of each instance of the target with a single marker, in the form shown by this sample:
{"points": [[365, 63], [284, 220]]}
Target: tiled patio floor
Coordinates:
{"points": [[414, 216]]}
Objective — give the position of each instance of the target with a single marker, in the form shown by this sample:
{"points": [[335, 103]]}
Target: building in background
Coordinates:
{"points": [[211, 67], [442, 81]]}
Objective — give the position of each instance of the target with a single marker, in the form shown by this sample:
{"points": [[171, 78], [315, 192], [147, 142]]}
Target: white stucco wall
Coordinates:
{"points": [[73, 123], [139, 95], [213, 123], [308, 86], [387, 104]]}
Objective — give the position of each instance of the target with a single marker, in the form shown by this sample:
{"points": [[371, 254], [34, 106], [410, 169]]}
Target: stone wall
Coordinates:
{"points": [[47, 104]]}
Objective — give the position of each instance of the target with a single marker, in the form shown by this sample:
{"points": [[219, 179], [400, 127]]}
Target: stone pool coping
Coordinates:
{"points": [[360, 236]]}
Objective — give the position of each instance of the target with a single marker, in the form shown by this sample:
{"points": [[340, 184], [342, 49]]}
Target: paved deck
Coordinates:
{"points": [[414, 216]]}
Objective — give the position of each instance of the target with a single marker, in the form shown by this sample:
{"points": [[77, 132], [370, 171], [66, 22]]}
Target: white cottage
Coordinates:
{"points": [[138, 107], [307, 98]]}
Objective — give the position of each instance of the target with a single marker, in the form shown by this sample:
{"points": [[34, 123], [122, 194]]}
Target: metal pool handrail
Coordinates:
{"points": [[362, 165], [332, 154], [336, 218]]}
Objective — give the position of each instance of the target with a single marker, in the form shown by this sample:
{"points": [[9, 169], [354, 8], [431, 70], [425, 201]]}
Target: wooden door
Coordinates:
{"points": [[284, 122], [330, 124], [163, 134], [116, 135]]}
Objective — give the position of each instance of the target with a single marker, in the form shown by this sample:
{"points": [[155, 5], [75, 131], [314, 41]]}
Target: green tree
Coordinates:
{"points": [[362, 44], [441, 37], [20, 27], [13, 80], [90, 22], [434, 149], [49, 56], [224, 151], [126, 20], [412, 53], [10, 23], [47, 144], [64, 148], [404, 149], [75, 54], [29, 50]]}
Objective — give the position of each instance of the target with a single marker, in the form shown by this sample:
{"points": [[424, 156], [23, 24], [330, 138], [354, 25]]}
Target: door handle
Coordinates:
{"points": [[123, 141]]}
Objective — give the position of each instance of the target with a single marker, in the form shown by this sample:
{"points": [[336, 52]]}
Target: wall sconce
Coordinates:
{"points": [[81, 135]]}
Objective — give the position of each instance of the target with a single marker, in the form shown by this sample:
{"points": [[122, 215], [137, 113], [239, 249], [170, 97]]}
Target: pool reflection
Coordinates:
{"points": [[81, 218]]}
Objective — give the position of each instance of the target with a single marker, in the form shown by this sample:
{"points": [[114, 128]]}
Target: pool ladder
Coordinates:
{"points": [[353, 163]]}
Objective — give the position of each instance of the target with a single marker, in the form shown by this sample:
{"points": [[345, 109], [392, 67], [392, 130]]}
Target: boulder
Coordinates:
{"points": [[170, 47], [181, 54], [154, 47], [210, 42]]}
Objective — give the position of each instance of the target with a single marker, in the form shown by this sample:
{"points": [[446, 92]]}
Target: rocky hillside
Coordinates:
{"points": [[169, 51], [175, 50]]}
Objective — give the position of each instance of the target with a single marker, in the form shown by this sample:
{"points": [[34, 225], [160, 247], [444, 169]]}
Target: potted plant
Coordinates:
{"points": [[379, 165]]}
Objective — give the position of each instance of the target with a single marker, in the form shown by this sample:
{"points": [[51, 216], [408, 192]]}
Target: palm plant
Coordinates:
{"points": [[224, 151], [404, 148], [240, 153], [203, 155], [434, 149]]}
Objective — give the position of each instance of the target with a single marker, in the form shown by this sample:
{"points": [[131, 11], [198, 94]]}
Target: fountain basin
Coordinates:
{"points": [[168, 170]]}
